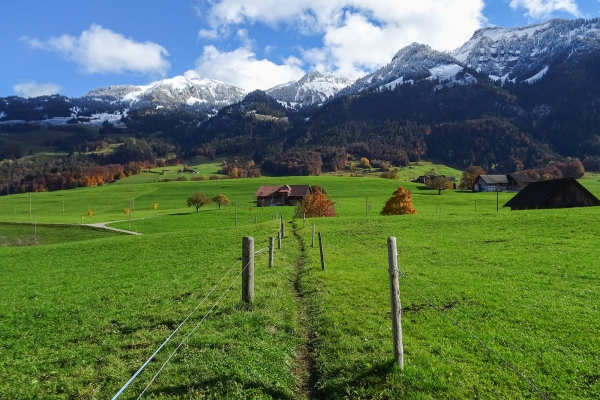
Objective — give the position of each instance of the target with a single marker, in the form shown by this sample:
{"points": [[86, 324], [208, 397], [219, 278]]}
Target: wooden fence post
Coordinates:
{"points": [[303, 220], [248, 269], [313, 236], [271, 251], [255, 220], [395, 301], [279, 240], [282, 227], [321, 251]]}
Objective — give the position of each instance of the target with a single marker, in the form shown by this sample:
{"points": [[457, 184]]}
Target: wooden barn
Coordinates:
{"points": [[286, 195], [555, 193]]}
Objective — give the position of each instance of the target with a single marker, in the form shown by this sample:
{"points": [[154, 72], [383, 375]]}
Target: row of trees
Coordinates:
{"points": [[199, 199], [24, 175]]}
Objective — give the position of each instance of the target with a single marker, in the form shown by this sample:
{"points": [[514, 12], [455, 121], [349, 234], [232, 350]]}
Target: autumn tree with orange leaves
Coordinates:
{"points": [[316, 204], [400, 203]]}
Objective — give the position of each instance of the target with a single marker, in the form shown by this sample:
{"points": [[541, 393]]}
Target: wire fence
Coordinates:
{"points": [[139, 371], [405, 279], [174, 332], [192, 332]]}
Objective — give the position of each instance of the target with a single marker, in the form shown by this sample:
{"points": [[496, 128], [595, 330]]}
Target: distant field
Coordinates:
{"points": [[83, 309], [15, 235]]}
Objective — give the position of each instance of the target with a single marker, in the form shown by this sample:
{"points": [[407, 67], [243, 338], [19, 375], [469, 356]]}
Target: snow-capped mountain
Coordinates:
{"points": [[313, 88], [203, 94], [412, 63], [525, 54]]}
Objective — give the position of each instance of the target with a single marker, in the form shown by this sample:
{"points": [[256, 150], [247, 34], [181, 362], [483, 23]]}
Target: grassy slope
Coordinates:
{"points": [[524, 282], [80, 318], [13, 234]]}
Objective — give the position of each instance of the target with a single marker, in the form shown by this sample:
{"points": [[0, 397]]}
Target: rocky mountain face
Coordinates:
{"points": [[313, 88], [525, 54]]}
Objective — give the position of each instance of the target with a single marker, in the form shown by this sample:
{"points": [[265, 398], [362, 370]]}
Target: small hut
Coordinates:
{"points": [[555, 193]]}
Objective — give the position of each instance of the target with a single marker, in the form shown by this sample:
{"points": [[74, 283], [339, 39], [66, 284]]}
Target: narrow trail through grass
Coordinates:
{"points": [[306, 370]]}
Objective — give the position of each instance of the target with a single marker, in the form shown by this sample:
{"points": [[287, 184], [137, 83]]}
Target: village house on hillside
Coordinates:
{"points": [[286, 195], [501, 183], [555, 193]]}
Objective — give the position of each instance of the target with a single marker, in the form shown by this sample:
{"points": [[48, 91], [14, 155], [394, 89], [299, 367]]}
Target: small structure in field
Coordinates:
{"points": [[501, 183], [491, 183], [555, 193], [286, 195]]}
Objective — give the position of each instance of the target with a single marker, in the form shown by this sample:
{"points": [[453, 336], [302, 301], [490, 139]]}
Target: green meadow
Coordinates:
{"points": [[83, 308]]}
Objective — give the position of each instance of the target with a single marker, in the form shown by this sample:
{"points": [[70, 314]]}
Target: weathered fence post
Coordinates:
{"points": [[248, 269], [395, 300], [282, 227], [279, 240], [271, 251], [313, 236], [475, 205], [255, 220], [304, 220], [321, 251]]}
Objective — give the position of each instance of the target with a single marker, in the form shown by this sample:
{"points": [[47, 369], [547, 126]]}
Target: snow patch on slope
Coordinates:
{"points": [[537, 76]]}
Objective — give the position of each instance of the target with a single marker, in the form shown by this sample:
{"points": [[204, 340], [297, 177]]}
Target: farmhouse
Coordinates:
{"points": [[286, 195], [555, 193], [500, 183], [490, 183]]}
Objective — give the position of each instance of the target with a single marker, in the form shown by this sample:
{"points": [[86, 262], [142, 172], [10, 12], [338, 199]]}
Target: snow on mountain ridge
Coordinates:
{"points": [[313, 88], [411, 63], [520, 53], [171, 93]]}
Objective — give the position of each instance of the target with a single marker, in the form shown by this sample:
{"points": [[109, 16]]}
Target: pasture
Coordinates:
{"points": [[83, 309]]}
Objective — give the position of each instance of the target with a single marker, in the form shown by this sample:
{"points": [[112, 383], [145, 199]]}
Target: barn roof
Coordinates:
{"points": [[536, 193], [494, 179], [521, 178], [265, 191], [299, 190], [289, 190]]}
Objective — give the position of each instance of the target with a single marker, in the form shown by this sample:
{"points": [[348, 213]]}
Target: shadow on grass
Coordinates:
{"points": [[384, 380], [219, 386], [373, 377]]}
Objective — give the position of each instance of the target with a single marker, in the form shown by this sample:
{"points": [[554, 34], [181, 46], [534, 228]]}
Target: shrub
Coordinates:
{"points": [[391, 174], [316, 204], [400, 203]]}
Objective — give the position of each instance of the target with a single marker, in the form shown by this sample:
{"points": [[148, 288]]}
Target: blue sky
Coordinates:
{"points": [[70, 47]]}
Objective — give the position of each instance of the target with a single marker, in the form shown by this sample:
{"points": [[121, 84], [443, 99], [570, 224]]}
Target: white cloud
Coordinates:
{"points": [[241, 68], [100, 50], [358, 35], [34, 89], [544, 8]]}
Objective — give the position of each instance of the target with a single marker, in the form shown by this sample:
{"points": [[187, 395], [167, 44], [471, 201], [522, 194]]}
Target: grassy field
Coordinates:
{"points": [[83, 309]]}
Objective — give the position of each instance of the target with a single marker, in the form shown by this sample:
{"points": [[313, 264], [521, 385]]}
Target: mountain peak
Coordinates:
{"points": [[314, 87], [175, 92]]}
